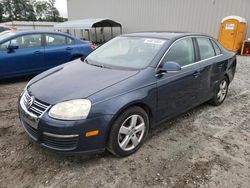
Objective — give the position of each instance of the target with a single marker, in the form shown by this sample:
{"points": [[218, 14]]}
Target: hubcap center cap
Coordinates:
{"points": [[132, 132]]}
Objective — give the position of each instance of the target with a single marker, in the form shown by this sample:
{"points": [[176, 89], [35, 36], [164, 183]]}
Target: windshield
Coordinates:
{"points": [[6, 34], [126, 52]]}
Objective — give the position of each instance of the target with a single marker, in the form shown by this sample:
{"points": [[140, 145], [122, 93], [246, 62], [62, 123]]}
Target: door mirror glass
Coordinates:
{"points": [[12, 47], [169, 66]]}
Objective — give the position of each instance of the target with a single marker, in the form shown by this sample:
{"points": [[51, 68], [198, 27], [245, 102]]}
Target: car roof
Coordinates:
{"points": [[36, 31], [39, 31], [18, 33], [168, 35]]}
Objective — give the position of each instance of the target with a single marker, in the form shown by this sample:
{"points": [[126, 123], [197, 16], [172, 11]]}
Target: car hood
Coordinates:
{"points": [[74, 80]]}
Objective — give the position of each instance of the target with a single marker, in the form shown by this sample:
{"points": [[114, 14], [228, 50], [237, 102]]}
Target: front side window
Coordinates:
{"points": [[206, 48], [127, 52], [55, 40], [28, 41], [4, 46], [182, 52]]}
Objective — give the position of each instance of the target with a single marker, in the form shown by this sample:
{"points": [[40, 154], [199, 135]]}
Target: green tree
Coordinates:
{"points": [[7, 4], [17, 9], [31, 16], [41, 10], [29, 10], [23, 10], [53, 13], [1, 12]]}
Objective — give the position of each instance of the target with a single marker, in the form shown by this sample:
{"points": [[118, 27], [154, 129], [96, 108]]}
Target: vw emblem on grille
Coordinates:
{"points": [[30, 102]]}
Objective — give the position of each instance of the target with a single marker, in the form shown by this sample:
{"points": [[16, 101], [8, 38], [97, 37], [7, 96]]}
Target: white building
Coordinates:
{"points": [[147, 15]]}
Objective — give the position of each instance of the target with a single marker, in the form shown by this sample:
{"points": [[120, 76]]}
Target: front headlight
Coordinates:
{"points": [[71, 110]]}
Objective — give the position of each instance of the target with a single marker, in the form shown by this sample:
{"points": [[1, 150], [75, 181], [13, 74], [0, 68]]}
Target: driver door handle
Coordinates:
{"points": [[196, 74], [220, 65], [37, 52], [69, 48]]}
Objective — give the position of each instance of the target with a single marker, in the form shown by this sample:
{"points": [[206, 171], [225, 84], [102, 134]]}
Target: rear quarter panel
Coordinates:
{"points": [[231, 66], [83, 48], [214, 70]]}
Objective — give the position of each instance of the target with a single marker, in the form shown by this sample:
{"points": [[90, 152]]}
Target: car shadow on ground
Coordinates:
{"points": [[16, 80], [156, 131]]}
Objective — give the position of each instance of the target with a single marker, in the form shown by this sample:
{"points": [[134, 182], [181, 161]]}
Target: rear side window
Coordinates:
{"points": [[216, 48], [55, 40], [181, 52], [206, 48], [70, 41]]}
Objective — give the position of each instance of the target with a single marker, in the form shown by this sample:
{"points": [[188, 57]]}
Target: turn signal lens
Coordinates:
{"points": [[92, 133]]}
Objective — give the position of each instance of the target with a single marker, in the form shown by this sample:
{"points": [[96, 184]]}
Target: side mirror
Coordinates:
{"points": [[83, 57], [169, 66], [12, 47]]}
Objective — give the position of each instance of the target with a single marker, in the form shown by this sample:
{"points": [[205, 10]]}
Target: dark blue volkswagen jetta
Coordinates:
{"points": [[112, 98], [32, 52]]}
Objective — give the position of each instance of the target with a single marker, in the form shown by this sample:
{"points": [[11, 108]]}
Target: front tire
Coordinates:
{"points": [[128, 132], [220, 92]]}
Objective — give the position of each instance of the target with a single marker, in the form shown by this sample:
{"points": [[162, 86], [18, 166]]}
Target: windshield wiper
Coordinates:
{"points": [[97, 65]]}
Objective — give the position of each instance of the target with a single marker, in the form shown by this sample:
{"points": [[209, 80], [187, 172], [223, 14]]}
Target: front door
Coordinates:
{"points": [[28, 58], [177, 91]]}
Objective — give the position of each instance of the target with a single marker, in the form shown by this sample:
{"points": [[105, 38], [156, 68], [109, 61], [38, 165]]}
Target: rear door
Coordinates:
{"points": [[211, 64], [177, 91], [27, 59], [58, 50]]}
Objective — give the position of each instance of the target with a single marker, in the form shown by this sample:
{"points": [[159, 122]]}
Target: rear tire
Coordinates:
{"points": [[128, 132], [220, 92]]}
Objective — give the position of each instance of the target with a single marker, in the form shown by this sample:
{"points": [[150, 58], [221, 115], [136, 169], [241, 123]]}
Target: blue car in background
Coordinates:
{"points": [[31, 52]]}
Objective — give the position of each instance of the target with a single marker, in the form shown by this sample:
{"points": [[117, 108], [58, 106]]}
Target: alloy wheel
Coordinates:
{"points": [[131, 132], [222, 91]]}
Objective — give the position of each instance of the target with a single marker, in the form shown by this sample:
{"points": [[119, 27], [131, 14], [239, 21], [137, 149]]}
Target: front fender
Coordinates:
{"points": [[146, 96]]}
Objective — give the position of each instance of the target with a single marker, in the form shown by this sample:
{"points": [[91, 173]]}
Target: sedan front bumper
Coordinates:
{"points": [[66, 136]]}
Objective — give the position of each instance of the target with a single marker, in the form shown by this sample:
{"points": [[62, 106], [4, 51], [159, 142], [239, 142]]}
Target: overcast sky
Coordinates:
{"points": [[61, 5]]}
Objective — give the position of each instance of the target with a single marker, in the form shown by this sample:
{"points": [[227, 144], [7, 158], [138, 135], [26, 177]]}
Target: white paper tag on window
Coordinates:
{"points": [[154, 41]]}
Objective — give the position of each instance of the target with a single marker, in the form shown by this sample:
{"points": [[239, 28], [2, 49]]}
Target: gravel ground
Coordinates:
{"points": [[206, 147]]}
